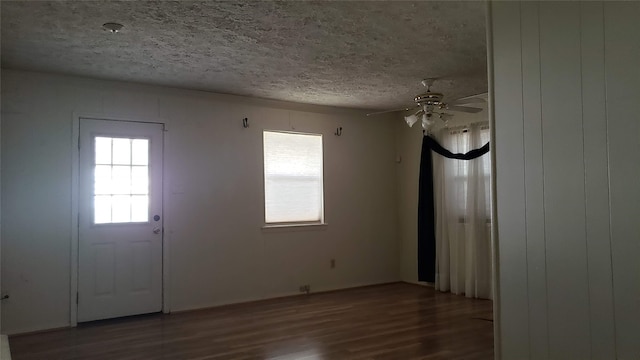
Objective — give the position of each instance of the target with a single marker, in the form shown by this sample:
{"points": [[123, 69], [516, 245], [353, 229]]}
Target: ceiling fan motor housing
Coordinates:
{"points": [[428, 98]]}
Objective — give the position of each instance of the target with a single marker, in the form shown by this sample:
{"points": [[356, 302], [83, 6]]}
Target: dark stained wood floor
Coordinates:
{"points": [[394, 321]]}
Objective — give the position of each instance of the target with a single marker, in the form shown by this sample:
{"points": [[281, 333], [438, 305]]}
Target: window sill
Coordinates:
{"points": [[294, 227]]}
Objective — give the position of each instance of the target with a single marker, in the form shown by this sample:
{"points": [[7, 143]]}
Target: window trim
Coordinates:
{"points": [[292, 225]]}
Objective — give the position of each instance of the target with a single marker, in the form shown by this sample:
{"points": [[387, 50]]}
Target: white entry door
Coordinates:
{"points": [[120, 219]]}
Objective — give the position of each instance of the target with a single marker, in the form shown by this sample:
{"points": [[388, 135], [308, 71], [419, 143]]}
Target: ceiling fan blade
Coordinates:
{"points": [[389, 111], [464, 109], [473, 100]]}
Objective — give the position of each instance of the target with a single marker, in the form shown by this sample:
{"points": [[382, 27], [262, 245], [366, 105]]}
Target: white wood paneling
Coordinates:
{"points": [[580, 86], [2, 339], [567, 272], [622, 57], [510, 181], [534, 185], [596, 182]]}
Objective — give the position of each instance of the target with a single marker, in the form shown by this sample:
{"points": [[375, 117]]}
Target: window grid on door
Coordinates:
{"points": [[121, 180]]}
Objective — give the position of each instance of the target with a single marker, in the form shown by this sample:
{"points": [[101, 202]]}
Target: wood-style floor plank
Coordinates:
{"points": [[393, 321]]}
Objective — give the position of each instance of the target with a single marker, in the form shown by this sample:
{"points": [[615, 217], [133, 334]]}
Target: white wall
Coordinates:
{"points": [[409, 147], [217, 250], [567, 136], [409, 143]]}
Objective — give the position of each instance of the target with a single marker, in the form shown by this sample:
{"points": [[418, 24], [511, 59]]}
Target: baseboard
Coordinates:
{"points": [[281, 296], [325, 291], [275, 297], [420, 283], [36, 331], [5, 352]]}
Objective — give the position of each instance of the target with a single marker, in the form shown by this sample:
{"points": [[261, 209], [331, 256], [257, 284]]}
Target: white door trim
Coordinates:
{"points": [[497, 331], [75, 165]]}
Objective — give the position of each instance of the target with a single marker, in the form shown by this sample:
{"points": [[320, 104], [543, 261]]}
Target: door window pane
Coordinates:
{"points": [[140, 152], [121, 180], [140, 208], [102, 209], [121, 208], [122, 151], [103, 150], [103, 180], [139, 180]]}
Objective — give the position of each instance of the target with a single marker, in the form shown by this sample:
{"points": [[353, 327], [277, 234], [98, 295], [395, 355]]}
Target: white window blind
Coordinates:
{"points": [[293, 178]]}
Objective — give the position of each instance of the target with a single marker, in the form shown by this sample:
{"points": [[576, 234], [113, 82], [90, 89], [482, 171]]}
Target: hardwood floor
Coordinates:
{"points": [[394, 321]]}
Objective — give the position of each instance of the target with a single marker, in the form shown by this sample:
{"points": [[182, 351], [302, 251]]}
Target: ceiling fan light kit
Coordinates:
{"points": [[112, 27], [427, 120], [430, 103], [411, 119]]}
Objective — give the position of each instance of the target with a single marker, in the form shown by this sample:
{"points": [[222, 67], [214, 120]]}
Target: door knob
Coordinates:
{"points": [[156, 230]]}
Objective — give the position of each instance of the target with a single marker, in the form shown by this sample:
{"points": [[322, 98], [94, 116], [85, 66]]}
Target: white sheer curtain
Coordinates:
{"points": [[463, 214]]}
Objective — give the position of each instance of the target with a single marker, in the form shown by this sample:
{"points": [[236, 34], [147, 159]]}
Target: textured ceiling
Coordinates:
{"points": [[366, 54]]}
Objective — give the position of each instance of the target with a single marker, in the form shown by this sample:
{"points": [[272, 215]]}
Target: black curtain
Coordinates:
{"points": [[426, 204]]}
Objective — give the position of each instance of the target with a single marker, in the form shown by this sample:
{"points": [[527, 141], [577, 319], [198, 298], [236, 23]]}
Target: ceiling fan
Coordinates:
{"points": [[430, 103]]}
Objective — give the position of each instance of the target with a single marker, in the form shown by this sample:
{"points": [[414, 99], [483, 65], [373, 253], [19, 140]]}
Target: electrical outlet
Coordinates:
{"points": [[305, 289], [333, 263]]}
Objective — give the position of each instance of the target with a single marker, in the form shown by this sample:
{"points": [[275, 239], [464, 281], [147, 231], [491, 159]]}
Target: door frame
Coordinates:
{"points": [[495, 240], [75, 236]]}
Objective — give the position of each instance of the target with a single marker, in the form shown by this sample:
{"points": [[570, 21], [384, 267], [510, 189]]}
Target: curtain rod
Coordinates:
{"points": [[463, 126]]}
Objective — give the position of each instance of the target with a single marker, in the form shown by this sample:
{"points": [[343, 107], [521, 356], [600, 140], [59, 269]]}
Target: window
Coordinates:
{"points": [[293, 178], [462, 140], [121, 180]]}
